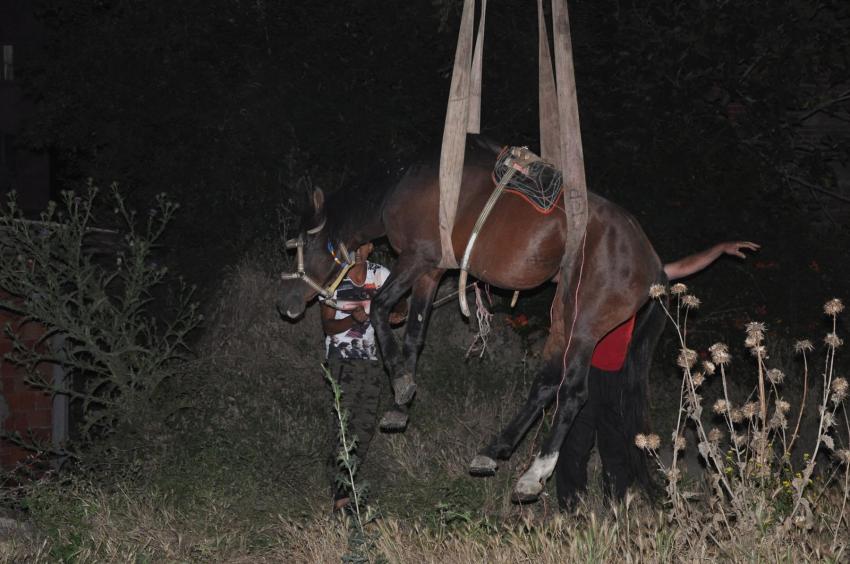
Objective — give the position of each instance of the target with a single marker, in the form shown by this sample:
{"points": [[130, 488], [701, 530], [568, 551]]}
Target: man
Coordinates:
{"points": [[352, 359], [601, 419]]}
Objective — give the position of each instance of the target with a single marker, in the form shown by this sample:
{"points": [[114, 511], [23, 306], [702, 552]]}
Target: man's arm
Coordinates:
{"points": [[694, 263], [333, 326]]}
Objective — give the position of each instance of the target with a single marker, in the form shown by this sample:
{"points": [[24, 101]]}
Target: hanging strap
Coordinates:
{"points": [[463, 114], [550, 137], [571, 159]]}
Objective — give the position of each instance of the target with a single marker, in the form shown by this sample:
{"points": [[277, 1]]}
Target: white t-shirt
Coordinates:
{"points": [[359, 341]]}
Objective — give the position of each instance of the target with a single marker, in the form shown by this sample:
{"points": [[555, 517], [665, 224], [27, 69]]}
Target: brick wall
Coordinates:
{"points": [[23, 409]]}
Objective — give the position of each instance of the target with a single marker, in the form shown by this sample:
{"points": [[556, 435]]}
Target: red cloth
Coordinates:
{"points": [[610, 352]]}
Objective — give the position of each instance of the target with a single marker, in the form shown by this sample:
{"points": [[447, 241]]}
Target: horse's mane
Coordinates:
{"points": [[358, 206]]}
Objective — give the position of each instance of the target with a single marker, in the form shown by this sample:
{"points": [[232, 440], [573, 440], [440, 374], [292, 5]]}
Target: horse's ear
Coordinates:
{"points": [[318, 200]]}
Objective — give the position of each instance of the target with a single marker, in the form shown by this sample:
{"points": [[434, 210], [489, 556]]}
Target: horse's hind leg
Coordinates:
{"points": [[572, 394], [421, 302], [542, 391]]}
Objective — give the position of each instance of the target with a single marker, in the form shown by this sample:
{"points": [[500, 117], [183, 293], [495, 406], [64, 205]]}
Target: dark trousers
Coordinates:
{"points": [[599, 421], [361, 382]]}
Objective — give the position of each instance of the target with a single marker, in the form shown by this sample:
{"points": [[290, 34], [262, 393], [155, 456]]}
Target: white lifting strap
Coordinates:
{"points": [[463, 115]]}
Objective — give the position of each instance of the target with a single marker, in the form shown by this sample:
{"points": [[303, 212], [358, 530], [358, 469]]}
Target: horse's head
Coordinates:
{"points": [[321, 261]]}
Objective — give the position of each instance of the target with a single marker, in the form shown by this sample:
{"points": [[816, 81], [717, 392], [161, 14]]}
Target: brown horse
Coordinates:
{"points": [[517, 249]]}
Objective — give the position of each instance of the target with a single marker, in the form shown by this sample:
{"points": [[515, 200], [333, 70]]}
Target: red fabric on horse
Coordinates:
{"points": [[610, 353]]}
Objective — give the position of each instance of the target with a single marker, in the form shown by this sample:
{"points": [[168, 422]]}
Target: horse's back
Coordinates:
{"points": [[518, 247]]}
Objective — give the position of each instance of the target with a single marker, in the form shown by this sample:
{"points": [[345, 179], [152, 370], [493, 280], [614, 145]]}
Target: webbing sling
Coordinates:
{"points": [[571, 159], [558, 113], [463, 115]]}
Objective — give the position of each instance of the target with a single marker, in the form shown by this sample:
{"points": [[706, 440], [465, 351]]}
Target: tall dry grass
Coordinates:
{"points": [[240, 477]]}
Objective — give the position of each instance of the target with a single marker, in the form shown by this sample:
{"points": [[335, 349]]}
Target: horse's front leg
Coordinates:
{"points": [[407, 270], [571, 397], [421, 302]]}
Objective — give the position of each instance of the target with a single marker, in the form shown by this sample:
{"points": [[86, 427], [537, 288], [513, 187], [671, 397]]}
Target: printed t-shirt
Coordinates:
{"points": [[359, 341]]}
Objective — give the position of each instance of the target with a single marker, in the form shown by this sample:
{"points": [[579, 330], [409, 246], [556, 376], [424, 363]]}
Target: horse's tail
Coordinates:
{"points": [[635, 400]]}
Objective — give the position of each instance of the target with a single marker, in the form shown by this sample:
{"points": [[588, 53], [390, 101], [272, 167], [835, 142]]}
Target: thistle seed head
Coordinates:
{"points": [[656, 291], [719, 353], [803, 346], [775, 376], [687, 358], [833, 307], [715, 435], [690, 301], [833, 340]]}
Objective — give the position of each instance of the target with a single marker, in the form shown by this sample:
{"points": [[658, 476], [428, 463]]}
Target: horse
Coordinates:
{"points": [[518, 248]]}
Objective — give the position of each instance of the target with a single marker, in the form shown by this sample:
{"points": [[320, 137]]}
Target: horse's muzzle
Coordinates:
{"points": [[292, 305]]}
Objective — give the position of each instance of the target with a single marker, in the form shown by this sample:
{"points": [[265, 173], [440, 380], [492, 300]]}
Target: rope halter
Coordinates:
{"points": [[341, 259]]}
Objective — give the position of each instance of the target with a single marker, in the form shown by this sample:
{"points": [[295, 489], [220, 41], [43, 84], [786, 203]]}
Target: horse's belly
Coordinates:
{"points": [[517, 247]]}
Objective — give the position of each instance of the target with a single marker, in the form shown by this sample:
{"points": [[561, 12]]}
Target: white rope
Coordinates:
{"points": [[484, 317]]}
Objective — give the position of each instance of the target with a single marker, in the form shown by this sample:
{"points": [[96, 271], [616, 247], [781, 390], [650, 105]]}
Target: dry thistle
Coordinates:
{"points": [[803, 346], [839, 390], [842, 455], [828, 419], [679, 443], [736, 415], [653, 442], [783, 406], [755, 330], [833, 340], [674, 474], [709, 367], [678, 288], [833, 307], [698, 378], [775, 376], [715, 435], [640, 441], [750, 410], [690, 301], [719, 353], [721, 406], [656, 291], [759, 350], [687, 358]]}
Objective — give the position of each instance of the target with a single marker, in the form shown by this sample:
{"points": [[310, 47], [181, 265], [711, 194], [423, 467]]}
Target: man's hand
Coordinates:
{"points": [[359, 314], [734, 248]]}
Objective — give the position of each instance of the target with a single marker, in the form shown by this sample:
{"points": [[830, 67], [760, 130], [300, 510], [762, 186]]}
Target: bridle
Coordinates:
{"points": [[339, 254]]}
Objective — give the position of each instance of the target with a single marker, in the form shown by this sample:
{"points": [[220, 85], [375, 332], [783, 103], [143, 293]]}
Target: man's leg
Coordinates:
{"points": [[571, 468], [360, 382], [612, 438]]}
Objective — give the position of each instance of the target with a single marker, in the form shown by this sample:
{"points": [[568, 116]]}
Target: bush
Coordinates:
{"points": [[95, 293]]}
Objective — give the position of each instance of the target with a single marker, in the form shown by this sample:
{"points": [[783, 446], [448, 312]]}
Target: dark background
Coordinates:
{"points": [[709, 121]]}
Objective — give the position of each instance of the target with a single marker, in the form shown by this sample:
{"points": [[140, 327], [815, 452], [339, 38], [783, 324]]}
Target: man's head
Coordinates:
{"points": [[363, 252]]}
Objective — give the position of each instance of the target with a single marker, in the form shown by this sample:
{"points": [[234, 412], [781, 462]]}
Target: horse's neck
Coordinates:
{"points": [[355, 233]]}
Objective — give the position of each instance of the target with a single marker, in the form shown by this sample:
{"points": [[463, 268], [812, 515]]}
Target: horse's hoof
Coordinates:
{"points": [[523, 499], [482, 466], [527, 490], [393, 422], [404, 388]]}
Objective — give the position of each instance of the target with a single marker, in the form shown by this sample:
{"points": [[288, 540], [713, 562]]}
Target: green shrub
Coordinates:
{"points": [[98, 295]]}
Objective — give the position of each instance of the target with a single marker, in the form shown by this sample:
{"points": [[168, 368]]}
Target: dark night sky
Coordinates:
{"points": [[690, 115]]}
